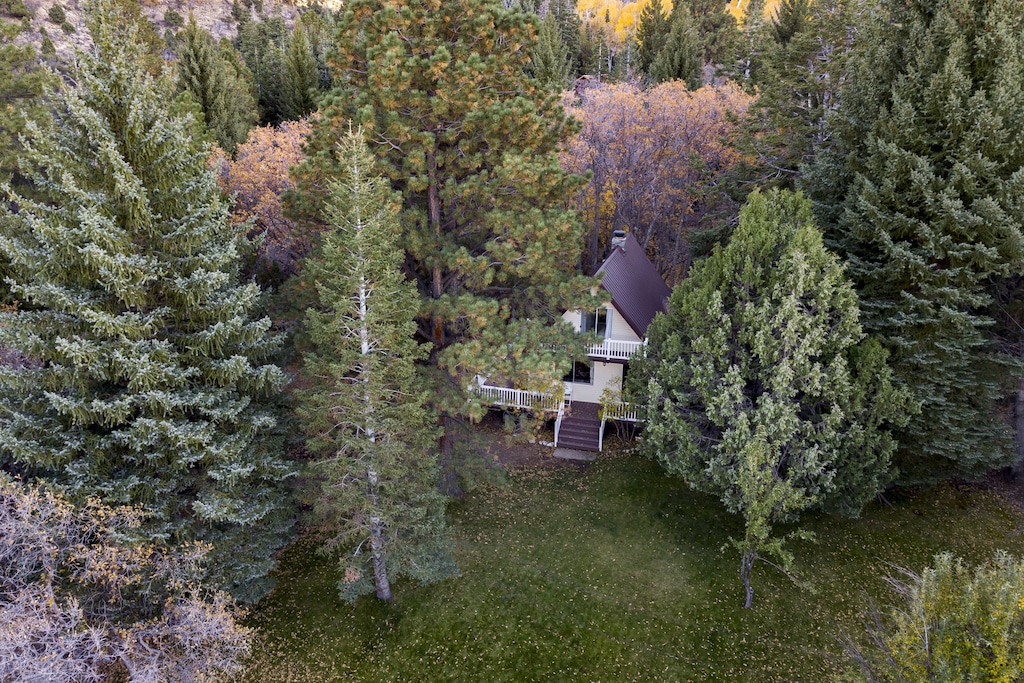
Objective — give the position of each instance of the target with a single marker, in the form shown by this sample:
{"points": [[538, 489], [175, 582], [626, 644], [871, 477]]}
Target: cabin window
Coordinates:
{"points": [[597, 322], [582, 373]]}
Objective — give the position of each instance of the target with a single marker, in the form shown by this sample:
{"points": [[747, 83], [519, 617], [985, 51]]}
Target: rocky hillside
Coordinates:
{"points": [[65, 25]]}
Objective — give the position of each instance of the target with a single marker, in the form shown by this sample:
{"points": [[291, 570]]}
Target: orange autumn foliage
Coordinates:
{"points": [[655, 155], [257, 179]]}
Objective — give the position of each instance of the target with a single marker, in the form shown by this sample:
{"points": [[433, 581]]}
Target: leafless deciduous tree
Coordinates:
{"points": [[654, 157], [81, 603]]}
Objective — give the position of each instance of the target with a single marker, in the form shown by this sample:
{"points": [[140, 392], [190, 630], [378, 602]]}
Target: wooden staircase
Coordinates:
{"points": [[581, 428]]}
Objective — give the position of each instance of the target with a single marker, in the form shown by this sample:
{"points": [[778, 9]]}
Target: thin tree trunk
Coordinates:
{"points": [[434, 212], [1018, 423], [380, 569], [449, 479], [595, 235], [449, 476], [746, 566]]}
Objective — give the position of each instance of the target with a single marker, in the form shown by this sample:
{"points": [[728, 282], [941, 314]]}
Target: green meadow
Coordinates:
{"points": [[614, 572]]}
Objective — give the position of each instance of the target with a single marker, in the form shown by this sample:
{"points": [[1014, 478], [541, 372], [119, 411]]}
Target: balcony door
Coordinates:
{"points": [[599, 322]]}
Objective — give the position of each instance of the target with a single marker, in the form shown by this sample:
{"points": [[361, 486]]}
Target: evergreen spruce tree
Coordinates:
{"points": [[799, 82], [681, 58], [716, 27], [260, 42], [22, 84], [591, 51], [651, 32], [753, 41], [470, 142], [569, 30], [922, 191], [319, 26], [370, 426], [152, 55], [213, 82], [145, 378], [299, 85], [624, 67], [759, 388], [549, 61], [791, 17]]}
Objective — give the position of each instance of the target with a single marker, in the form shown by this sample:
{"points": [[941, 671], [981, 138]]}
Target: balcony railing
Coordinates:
{"points": [[516, 398], [612, 349], [621, 411]]}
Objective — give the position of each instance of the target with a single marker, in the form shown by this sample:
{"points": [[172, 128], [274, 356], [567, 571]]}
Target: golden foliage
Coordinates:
{"points": [[654, 156], [257, 179], [624, 16]]}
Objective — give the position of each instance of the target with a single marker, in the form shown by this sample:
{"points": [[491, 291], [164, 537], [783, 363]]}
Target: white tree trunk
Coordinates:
{"points": [[380, 569]]}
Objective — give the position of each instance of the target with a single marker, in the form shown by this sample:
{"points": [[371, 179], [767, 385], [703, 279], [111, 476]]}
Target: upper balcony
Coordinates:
{"points": [[613, 349]]}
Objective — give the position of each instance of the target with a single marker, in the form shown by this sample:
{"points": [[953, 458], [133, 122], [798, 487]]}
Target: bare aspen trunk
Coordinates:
{"points": [[746, 566], [595, 235], [380, 569]]}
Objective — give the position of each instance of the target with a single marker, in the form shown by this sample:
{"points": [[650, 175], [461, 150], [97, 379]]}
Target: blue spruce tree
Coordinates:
{"points": [[142, 376]]}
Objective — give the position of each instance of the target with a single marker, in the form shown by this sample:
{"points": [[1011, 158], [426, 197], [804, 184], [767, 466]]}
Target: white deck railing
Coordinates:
{"points": [[516, 398], [611, 349], [623, 412]]}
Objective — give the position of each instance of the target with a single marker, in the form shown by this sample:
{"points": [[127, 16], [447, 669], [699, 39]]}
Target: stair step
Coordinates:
{"points": [[580, 433], [578, 445], [581, 430], [593, 426]]}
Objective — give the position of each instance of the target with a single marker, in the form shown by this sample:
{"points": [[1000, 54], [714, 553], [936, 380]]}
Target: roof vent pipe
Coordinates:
{"points": [[619, 239]]}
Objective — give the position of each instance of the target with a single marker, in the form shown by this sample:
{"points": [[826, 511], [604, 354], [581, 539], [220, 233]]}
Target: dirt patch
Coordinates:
{"points": [[516, 451]]}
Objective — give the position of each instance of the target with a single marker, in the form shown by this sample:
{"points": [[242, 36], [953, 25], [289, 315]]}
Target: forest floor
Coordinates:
{"points": [[611, 571]]}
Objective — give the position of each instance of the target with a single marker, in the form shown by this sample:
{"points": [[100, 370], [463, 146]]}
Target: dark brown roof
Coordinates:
{"points": [[637, 290]]}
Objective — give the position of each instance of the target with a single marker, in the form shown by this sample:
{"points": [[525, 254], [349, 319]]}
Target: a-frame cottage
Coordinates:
{"points": [[593, 389]]}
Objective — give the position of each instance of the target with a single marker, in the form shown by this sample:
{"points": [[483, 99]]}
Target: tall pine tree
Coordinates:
{"points": [[791, 17], [216, 85], [22, 84], [550, 63], [681, 57], [299, 84], [651, 32], [717, 29], [144, 377], [470, 143], [261, 43], [923, 190], [368, 419]]}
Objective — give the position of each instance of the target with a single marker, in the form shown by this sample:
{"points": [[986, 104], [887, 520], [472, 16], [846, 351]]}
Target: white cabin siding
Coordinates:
{"points": [[620, 329], [603, 374]]}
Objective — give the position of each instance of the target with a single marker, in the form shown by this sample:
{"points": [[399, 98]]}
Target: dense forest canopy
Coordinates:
{"points": [[256, 260]]}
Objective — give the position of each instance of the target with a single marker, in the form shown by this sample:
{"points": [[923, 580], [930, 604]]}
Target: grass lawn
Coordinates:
{"points": [[612, 573]]}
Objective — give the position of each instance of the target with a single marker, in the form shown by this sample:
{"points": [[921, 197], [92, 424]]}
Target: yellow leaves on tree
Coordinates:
{"points": [[654, 155], [624, 16], [257, 179]]}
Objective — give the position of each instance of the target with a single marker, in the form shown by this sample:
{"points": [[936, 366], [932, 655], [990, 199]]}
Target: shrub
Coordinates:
{"points": [[56, 14], [173, 19], [954, 623], [16, 9]]}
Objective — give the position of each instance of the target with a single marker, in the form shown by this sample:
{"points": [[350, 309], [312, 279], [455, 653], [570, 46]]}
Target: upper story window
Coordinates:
{"points": [[598, 322]]}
